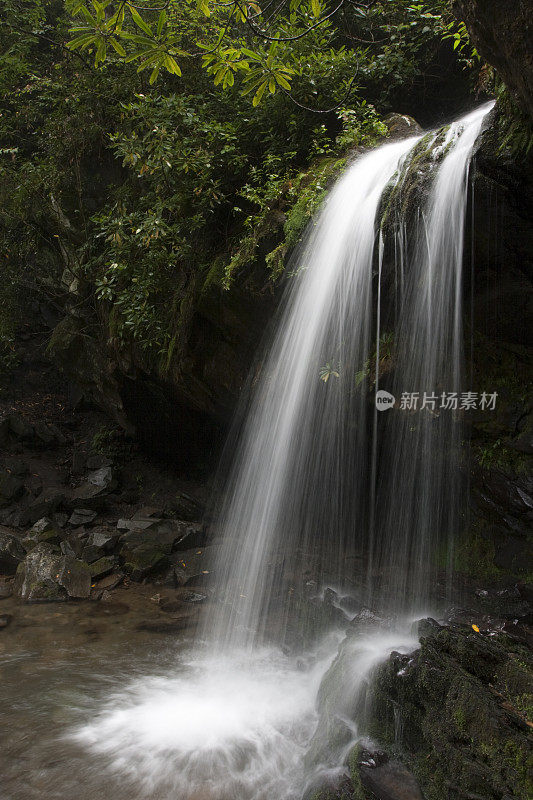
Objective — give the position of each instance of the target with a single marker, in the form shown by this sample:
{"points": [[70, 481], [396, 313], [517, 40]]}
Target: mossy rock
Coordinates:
{"points": [[456, 710]]}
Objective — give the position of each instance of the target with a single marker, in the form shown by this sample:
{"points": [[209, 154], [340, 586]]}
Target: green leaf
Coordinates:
{"points": [[260, 92], [315, 7], [283, 81], [161, 22], [154, 75], [118, 47], [140, 22]]}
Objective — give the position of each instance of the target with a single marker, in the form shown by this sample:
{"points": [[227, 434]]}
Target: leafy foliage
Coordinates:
{"points": [[149, 151]]}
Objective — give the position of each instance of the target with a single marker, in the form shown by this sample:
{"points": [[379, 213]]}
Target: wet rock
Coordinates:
{"points": [[37, 576], [41, 526], [11, 489], [367, 618], [67, 549], [102, 567], [147, 512], [402, 126], [387, 779], [193, 597], [110, 581], [81, 516], [44, 505], [331, 785], [50, 536], [5, 620], [90, 553], [427, 627], [47, 575], [136, 524], [167, 535], [11, 553], [79, 463], [144, 560], [190, 565], [97, 486], [457, 710], [75, 576], [5, 431], [103, 538]]}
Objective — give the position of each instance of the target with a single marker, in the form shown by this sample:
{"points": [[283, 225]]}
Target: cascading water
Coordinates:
{"points": [[324, 489]]}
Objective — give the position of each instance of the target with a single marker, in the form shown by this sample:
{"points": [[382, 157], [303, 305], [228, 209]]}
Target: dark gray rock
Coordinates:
{"points": [[388, 779], [144, 560], [5, 620], [75, 577], [95, 488], [109, 581], [37, 576], [11, 553], [81, 516], [103, 539], [102, 567], [41, 526]]}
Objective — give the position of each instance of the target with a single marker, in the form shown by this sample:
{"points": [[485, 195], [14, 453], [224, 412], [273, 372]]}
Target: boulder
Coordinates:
{"points": [[75, 576], [97, 486], [47, 575], [457, 711], [37, 576]]}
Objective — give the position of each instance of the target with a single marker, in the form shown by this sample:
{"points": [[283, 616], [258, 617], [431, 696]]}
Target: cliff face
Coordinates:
{"points": [[502, 33]]}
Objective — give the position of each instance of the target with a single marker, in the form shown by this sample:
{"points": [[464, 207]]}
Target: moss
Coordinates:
{"points": [[353, 766], [461, 735], [285, 216]]}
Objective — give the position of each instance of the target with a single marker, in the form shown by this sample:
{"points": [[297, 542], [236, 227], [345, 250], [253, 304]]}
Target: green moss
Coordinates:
{"points": [[287, 208]]}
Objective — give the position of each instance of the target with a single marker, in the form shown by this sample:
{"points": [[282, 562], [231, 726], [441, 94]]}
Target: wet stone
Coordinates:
{"points": [[81, 516], [5, 620], [103, 566], [75, 577]]}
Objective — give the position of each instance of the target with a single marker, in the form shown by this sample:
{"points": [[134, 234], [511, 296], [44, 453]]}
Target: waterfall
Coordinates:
{"points": [[315, 484], [329, 489]]}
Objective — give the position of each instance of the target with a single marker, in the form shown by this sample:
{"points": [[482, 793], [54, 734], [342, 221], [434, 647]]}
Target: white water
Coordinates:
{"points": [[312, 488]]}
